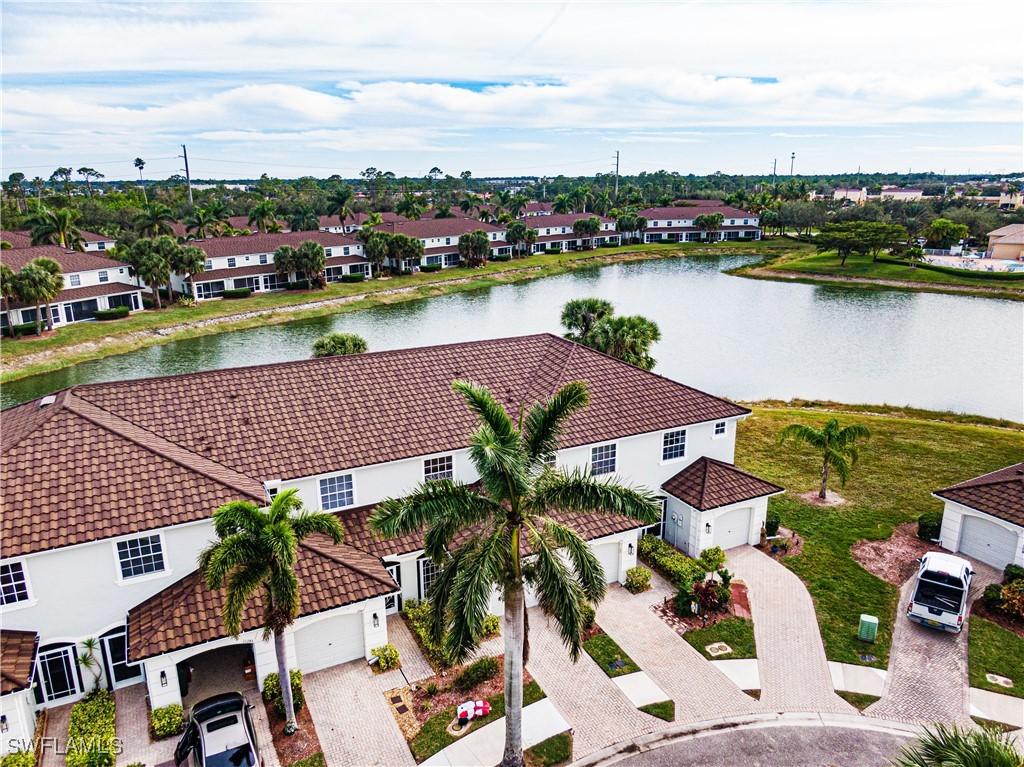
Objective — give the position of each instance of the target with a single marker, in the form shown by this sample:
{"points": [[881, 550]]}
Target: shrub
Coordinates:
{"points": [[148, 303], [554, 248], [993, 596], [681, 570], [638, 579], [353, 277], [505, 257], [418, 615], [338, 344], [475, 673], [116, 313], [772, 522], [19, 759], [431, 689], [1013, 599], [712, 559], [91, 735], [589, 615], [298, 285], [387, 657], [929, 525], [491, 626], [237, 293], [430, 268], [166, 721], [187, 301], [272, 691], [24, 329], [1013, 573]]}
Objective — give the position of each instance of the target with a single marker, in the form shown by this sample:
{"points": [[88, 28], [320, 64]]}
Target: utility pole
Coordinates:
{"points": [[792, 159], [775, 183], [616, 175], [188, 178]]}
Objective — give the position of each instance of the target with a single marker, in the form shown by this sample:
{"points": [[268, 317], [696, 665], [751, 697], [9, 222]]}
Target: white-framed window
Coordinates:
{"points": [[602, 459], [140, 556], [232, 262], [209, 265], [75, 280], [447, 240], [104, 277], [720, 428], [210, 289], [327, 252], [428, 572], [57, 672], [438, 468], [336, 492], [658, 528], [13, 583], [101, 245], [673, 445], [263, 258], [345, 250]]}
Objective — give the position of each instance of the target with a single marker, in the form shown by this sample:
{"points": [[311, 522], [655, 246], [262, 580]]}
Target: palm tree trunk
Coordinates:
{"points": [[823, 492], [39, 320], [49, 317], [290, 725], [515, 637]]}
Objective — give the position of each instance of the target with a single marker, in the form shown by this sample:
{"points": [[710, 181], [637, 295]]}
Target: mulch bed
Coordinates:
{"points": [[794, 544], [1008, 622], [291, 748], [895, 559], [425, 705], [739, 608]]}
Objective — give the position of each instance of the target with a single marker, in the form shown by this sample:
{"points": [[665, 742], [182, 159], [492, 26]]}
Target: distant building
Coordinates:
{"points": [[857, 196], [901, 194], [679, 223], [1006, 242], [1011, 200], [555, 232]]}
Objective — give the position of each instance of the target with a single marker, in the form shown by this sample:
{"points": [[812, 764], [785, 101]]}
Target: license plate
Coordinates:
{"points": [[934, 624]]}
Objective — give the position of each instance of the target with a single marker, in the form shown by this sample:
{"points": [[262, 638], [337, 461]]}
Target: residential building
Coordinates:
{"points": [[112, 554], [901, 194], [537, 209], [440, 238], [855, 195], [678, 223], [97, 242], [354, 222], [554, 232], [1006, 242], [15, 239], [984, 517], [247, 261], [1011, 200], [91, 283]]}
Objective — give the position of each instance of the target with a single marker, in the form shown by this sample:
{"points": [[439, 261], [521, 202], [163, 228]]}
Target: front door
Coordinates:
{"points": [[58, 673], [393, 602], [120, 672]]}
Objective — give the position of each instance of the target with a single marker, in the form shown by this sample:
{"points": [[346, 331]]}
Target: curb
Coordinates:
{"points": [[693, 730]]}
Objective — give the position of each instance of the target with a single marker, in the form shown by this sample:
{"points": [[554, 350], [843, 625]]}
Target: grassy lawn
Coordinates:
{"points": [[433, 736], [555, 750], [316, 760], [603, 649], [903, 462], [860, 700], [992, 649], [665, 710], [738, 633]]}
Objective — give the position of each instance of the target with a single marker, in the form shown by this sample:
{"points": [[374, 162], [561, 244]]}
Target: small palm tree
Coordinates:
{"points": [[8, 290], [154, 219], [304, 219], [263, 215], [36, 284], [518, 495], [838, 447], [339, 203], [201, 223], [256, 552], [56, 227], [285, 261], [953, 747], [188, 261], [338, 345], [626, 338], [580, 315]]}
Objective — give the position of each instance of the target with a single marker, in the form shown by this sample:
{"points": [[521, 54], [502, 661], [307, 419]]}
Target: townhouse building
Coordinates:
{"points": [[91, 241], [678, 223], [108, 496], [355, 222], [440, 238], [538, 209], [555, 231]]}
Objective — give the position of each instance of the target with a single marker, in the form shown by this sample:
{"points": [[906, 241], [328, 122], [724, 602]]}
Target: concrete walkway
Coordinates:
{"points": [[791, 657], [414, 666], [132, 727]]}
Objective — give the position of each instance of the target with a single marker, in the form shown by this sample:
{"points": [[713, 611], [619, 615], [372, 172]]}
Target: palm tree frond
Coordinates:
{"points": [[579, 492], [802, 433], [429, 501], [471, 591], [589, 572], [313, 522], [558, 593], [241, 585], [237, 516], [544, 421]]}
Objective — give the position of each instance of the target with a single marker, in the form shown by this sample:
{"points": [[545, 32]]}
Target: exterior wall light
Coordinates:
{"points": [[707, 528], [376, 621], [163, 678], [630, 549], [3, 722]]}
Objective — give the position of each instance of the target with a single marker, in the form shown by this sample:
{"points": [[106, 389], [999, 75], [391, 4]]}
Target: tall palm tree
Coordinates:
{"points": [[263, 215], [310, 258], [953, 747], [56, 227], [561, 204], [219, 215], [139, 163], [518, 496], [580, 315], [339, 203], [152, 266], [188, 261], [285, 261], [62, 176], [39, 184], [256, 552], [8, 290], [154, 219], [202, 223], [410, 206], [55, 286], [304, 219], [838, 447]]}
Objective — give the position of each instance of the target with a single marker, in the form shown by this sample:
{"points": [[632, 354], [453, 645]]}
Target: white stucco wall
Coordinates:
{"points": [[952, 522], [19, 709]]}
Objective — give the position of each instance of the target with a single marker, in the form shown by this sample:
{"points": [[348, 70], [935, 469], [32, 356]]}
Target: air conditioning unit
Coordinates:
{"points": [[868, 628]]}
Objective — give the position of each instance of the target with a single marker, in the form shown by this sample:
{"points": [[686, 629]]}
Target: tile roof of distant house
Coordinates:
{"points": [[94, 237], [187, 613], [688, 212], [537, 207], [17, 659], [248, 244], [1011, 234], [358, 219], [709, 484], [999, 493], [69, 260], [16, 239], [426, 228]]}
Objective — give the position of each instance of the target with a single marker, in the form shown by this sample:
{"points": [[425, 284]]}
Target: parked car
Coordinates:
{"points": [[940, 594], [219, 733]]}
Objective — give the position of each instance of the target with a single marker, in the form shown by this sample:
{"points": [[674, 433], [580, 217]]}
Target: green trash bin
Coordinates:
{"points": [[868, 630]]}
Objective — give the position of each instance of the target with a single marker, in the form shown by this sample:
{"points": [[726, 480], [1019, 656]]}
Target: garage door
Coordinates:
{"points": [[987, 541], [329, 641], [608, 555], [732, 528]]}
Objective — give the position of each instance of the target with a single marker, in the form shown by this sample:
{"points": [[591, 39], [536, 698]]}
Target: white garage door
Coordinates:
{"points": [[732, 528], [987, 541], [608, 555], [329, 641]]}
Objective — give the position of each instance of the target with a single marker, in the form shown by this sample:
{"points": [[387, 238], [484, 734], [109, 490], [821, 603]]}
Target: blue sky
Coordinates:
{"points": [[511, 88]]}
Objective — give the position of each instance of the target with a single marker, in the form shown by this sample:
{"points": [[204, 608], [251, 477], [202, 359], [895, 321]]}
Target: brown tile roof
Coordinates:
{"points": [[90, 291], [247, 244], [999, 493], [700, 208], [537, 207], [69, 260], [188, 613], [563, 219], [426, 228], [94, 237], [17, 659], [17, 239], [358, 219], [708, 484]]}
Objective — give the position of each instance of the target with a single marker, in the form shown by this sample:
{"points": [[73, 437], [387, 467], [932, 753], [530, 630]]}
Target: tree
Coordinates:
{"points": [[443, 210], [474, 247], [152, 265], [263, 215], [844, 238], [339, 344], [140, 164], [580, 197], [801, 216], [339, 203], [220, 216], [285, 261], [310, 259], [603, 203], [189, 261], [202, 223], [304, 219], [709, 223], [89, 174], [561, 204], [56, 227], [838, 447], [55, 286], [376, 247], [154, 219], [943, 233], [255, 552], [62, 176], [410, 206], [626, 338], [36, 284], [954, 747], [878, 236], [520, 236], [14, 186], [580, 315], [517, 497], [8, 290], [587, 228]]}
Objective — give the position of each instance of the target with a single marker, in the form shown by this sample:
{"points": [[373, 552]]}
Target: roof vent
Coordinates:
{"points": [[46, 401]]}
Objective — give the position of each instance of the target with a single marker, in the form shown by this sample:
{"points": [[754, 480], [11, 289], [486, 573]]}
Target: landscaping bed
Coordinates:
{"points": [[992, 649], [738, 608], [301, 746], [859, 700], [893, 559], [611, 658], [785, 544], [551, 752]]}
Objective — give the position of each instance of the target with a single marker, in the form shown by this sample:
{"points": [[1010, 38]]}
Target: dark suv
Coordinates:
{"points": [[219, 733]]}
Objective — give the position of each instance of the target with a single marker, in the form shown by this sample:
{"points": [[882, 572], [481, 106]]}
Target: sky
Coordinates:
{"points": [[512, 88]]}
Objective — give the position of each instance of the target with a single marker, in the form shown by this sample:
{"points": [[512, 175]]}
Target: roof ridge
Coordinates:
{"points": [[345, 562], [58, 406], [162, 446], [704, 480]]}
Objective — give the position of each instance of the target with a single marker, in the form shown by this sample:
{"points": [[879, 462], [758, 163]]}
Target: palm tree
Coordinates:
{"points": [[410, 206], [152, 266], [561, 204], [56, 227], [188, 261], [339, 203], [219, 215], [256, 552], [140, 164], [263, 215], [8, 290], [304, 219], [580, 197], [339, 344], [310, 258], [202, 223], [154, 219], [443, 210], [953, 747], [709, 223], [285, 261], [55, 286], [39, 185], [838, 447], [603, 203], [376, 247], [36, 284], [517, 497], [626, 338], [580, 315]]}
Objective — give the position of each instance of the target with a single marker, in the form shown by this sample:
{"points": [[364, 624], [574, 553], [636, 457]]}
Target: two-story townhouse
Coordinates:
{"points": [[108, 494], [355, 222], [91, 283], [440, 238], [92, 241], [247, 261], [537, 209], [554, 232], [678, 223]]}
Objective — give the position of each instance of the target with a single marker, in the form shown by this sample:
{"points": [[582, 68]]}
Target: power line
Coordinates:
{"points": [[100, 162]]}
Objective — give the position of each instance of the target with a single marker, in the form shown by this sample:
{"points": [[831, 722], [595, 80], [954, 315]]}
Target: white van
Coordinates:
{"points": [[940, 594]]}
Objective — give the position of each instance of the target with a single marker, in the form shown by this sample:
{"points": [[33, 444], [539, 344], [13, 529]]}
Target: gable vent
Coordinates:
{"points": [[46, 401]]}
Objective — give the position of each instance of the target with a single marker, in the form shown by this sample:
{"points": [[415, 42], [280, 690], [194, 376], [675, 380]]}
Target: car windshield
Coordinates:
{"points": [[939, 577], [939, 596], [241, 756]]}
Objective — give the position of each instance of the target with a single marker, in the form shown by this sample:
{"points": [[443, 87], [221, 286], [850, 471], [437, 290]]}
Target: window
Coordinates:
{"points": [[210, 289], [428, 574], [673, 445], [447, 240], [140, 556], [101, 246], [336, 492], [263, 258], [658, 528], [75, 280], [438, 468], [253, 283], [231, 263], [327, 252], [345, 250], [602, 459], [433, 260], [358, 268], [13, 584], [209, 265], [104, 277], [720, 428], [274, 282]]}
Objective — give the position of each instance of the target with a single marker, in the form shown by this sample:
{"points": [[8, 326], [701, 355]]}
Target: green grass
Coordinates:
{"points": [[555, 750], [860, 700], [994, 650], [665, 710], [905, 460], [738, 633], [992, 724], [316, 760], [433, 736], [603, 649]]}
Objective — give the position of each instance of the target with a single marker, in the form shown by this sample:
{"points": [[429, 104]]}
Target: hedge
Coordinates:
{"points": [[272, 691], [1007, 276], [91, 735], [418, 615], [166, 721], [430, 268], [353, 277], [24, 329], [681, 570], [19, 759], [298, 285], [111, 314], [501, 258], [387, 657], [929, 525], [237, 293]]}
